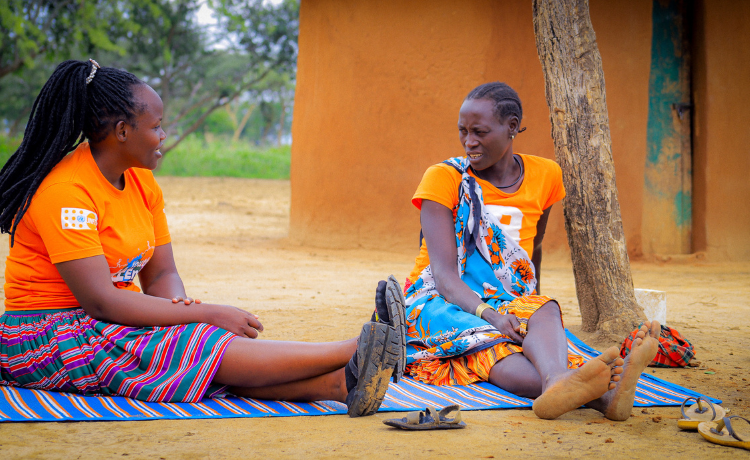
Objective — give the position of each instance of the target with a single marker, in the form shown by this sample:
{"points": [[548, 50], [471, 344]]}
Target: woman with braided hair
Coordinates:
{"points": [[473, 309], [86, 218]]}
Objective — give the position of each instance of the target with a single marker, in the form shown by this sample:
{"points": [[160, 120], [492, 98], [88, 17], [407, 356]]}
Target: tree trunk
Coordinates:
{"points": [[281, 123], [243, 122], [575, 92]]}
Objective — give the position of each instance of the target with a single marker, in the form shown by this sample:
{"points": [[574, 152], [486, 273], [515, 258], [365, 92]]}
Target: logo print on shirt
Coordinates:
{"points": [[78, 219], [511, 219], [127, 273]]}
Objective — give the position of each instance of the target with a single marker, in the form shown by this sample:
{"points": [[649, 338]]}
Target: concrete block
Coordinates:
{"points": [[654, 304]]}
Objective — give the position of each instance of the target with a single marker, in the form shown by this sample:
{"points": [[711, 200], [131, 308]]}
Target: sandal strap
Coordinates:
{"points": [[700, 407], [447, 410], [727, 422], [433, 415], [414, 418]]}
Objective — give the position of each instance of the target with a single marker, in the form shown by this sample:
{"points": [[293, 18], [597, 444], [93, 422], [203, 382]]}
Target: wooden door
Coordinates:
{"points": [[667, 201]]}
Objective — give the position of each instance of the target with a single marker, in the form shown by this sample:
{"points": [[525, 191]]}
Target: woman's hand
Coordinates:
{"points": [[186, 300], [233, 319], [506, 324]]}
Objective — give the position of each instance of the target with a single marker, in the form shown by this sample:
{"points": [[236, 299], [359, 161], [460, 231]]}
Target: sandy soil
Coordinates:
{"points": [[230, 243]]}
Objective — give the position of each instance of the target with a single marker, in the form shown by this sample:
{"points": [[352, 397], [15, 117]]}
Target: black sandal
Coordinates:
{"points": [[378, 353]]}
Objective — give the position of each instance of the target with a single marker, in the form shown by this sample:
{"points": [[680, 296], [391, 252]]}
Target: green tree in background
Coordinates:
{"points": [[234, 79], [53, 29]]}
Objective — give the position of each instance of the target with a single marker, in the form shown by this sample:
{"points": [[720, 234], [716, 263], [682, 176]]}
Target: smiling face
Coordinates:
{"points": [[145, 136], [485, 139]]}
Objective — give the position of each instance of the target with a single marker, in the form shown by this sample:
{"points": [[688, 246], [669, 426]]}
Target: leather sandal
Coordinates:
{"points": [[428, 419]]}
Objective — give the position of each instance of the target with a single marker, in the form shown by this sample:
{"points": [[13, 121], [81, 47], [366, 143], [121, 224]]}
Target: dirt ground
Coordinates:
{"points": [[230, 241]]}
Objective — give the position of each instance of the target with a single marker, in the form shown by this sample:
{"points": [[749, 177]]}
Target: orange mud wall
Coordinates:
{"points": [[721, 129], [379, 86]]}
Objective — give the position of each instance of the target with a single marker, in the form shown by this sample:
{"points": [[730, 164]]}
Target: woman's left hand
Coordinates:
{"points": [[187, 300], [507, 324]]}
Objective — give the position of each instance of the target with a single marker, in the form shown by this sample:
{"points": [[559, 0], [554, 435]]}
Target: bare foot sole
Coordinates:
{"points": [[576, 387], [620, 400]]}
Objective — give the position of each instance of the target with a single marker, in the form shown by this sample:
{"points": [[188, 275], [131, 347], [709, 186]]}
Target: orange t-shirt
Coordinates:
{"points": [[518, 212], [76, 213]]}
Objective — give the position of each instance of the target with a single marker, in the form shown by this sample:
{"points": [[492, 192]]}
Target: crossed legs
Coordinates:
{"points": [[606, 383]]}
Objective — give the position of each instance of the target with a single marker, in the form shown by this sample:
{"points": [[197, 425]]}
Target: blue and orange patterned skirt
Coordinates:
{"points": [[475, 367], [67, 350]]}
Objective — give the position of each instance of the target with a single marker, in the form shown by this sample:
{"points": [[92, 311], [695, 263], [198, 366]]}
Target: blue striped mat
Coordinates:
{"points": [[22, 405]]}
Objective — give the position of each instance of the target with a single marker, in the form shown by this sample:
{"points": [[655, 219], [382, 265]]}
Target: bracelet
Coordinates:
{"points": [[481, 308]]}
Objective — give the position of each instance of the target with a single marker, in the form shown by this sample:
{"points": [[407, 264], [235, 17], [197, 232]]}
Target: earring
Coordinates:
{"points": [[512, 136]]}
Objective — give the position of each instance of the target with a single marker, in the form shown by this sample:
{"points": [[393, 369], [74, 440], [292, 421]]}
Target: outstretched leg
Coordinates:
{"points": [[355, 371], [617, 403], [252, 363], [330, 386]]}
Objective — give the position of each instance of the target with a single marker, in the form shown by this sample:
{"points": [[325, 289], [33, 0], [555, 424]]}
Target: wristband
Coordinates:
{"points": [[481, 308]]}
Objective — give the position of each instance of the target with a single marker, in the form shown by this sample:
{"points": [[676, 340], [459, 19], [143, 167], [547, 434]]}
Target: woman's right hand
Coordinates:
{"points": [[233, 319], [506, 324]]}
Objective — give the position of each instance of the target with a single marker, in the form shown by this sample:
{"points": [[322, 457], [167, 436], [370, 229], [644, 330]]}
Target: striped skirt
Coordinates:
{"points": [[67, 350]]}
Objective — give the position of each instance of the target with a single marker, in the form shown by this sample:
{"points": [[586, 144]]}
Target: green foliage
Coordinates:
{"points": [[220, 157], [251, 76], [8, 146], [219, 122], [175, 56], [55, 29]]}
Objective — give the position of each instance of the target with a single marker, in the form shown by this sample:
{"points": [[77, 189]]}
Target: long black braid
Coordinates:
{"points": [[66, 110], [504, 97]]}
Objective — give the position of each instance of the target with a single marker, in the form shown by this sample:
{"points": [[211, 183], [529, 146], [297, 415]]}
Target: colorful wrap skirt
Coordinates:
{"points": [[475, 367], [67, 350]]}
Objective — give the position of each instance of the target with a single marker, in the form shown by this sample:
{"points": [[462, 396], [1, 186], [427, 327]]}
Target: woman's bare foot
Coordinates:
{"points": [[654, 328], [576, 387], [617, 404], [615, 376]]}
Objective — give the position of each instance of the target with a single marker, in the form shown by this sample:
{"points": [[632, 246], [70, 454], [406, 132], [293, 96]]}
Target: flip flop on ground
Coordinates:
{"points": [[721, 432], [702, 411]]}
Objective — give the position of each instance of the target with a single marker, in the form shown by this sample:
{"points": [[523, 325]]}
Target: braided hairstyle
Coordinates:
{"points": [[504, 97], [65, 109]]}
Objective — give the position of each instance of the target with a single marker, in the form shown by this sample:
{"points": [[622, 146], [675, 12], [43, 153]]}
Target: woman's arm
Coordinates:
{"points": [[159, 278], [536, 257], [90, 282], [439, 234]]}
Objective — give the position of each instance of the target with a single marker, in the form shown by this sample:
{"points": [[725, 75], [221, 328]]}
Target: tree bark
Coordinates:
{"points": [[243, 122], [575, 92], [281, 123]]}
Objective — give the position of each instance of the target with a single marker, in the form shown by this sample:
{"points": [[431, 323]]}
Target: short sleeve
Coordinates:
{"points": [[557, 189], [66, 219], [439, 184], [156, 206]]}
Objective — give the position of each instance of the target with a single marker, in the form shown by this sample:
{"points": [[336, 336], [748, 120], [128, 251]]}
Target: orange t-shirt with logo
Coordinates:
{"points": [[76, 213], [518, 212]]}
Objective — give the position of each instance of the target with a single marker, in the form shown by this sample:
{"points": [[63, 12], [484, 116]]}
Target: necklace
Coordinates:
{"points": [[520, 174]]}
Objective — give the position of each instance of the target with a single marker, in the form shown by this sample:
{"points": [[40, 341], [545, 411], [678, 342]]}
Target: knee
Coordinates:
{"points": [[550, 311]]}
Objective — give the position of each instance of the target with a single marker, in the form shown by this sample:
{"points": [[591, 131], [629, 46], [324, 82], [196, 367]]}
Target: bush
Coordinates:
{"points": [[195, 157], [222, 157], [8, 147]]}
